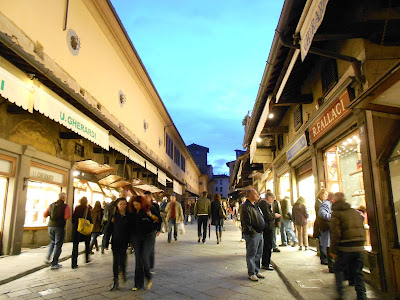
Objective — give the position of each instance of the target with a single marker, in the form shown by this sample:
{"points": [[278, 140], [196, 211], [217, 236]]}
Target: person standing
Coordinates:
{"points": [[164, 222], [97, 216], [202, 210], [347, 245], [120, 227], [217, 216], [81, 211], [59, 212], [236, 215], [252, 227], [324, 214], [286, 224], [276, 208], [300, 220], [266, 206], [174, 217], [146, 221]]}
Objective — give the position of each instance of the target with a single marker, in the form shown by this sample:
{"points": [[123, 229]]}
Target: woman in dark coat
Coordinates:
{"points": [[97, 216], [120, 228], [216, 218], [81, 211], [146, 220]]}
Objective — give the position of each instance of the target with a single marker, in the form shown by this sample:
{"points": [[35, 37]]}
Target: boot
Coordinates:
{"points": [[217, 238], [220, 236], [91, 248], [115, 285]]}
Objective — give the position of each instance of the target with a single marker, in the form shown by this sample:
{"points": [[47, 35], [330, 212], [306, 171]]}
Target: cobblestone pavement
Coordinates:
{"points": [[184, 270]]}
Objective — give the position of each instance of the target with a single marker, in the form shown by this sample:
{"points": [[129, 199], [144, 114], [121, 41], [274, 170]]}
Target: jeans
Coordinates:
{"points": [[354, 261], [254, 250], [143, 245], [94, 239], [325, 257], [57, 235], [287, 231], [267, 248], [119, 260], [274, 246], [202, 221], [172, 222], [218, 228]]}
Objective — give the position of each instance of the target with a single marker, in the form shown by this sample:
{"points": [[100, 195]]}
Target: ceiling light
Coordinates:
{"points": [[345, 143], [75, 173], [349, 140], [259, 140], [271, 116]]}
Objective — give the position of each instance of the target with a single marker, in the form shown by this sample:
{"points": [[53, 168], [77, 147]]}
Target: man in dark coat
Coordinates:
{"points": [[266, 207], [347, 245]]}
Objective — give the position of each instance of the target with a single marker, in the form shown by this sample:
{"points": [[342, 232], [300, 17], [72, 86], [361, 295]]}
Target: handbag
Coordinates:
{"points": [[84, 225], [222, 213], [181, 228]]}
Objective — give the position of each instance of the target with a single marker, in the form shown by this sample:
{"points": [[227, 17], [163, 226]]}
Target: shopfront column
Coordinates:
{"points": [[18, 221]]}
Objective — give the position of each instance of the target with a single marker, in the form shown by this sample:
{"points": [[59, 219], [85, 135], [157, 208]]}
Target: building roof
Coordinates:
{"points": [[221, 176], [197, 146]]}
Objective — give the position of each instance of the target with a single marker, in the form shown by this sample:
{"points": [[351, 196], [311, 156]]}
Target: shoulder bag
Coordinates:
{"points": [[84, 225]]}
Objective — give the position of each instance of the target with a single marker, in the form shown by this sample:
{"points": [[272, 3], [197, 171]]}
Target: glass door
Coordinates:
{"points": [[3, 197]]}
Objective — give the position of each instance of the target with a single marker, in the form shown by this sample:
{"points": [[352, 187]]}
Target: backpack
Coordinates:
{"points": [[57, 210], [163, 205], [109, 212]]}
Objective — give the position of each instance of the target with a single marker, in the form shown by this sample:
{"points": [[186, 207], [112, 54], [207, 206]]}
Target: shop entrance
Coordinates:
{"points": [[306, 189], [394, 168], [3, 197], [284, 186]]}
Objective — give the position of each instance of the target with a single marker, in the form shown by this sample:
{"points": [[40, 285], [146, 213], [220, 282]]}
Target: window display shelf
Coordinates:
{"points": [[358, 195], [355, 173]]}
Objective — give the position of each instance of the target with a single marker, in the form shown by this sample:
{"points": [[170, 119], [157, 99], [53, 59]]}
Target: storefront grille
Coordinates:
{"points": [[298, 118], [329, 76]]}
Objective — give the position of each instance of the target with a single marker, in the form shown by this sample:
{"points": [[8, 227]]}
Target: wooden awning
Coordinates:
{"points": [[92, 167]]}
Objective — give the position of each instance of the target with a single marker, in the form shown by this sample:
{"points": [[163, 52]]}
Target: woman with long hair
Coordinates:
{"points": [[120, 228], [146, 219], [81, 211], [218, 214], [97, 216], [299, 217]]}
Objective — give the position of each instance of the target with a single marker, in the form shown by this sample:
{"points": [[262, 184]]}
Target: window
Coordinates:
{"points": [[170, 146], [220, 182], [298, 118], [220, 188], [329, 76], [216, 189], [280, 141], [183, 163], [197, 153], [177, 156], [79, 150]]}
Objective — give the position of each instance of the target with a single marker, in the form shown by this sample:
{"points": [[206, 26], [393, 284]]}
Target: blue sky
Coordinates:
{"points": [[206, 59]]}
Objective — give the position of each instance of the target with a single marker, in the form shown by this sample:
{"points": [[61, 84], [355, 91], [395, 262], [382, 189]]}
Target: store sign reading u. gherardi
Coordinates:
{"points": [[331, 116], [76, 124]]}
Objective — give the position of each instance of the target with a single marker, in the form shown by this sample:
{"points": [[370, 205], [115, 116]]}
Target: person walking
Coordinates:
{"points": [[174, 217], [59, 212], [120, 227], [97, 216], [236, 215], [202, 210], [164, 222], [108, 213], [81, 211], [150, 199], [218, 215], [266, 206], [252, 227], [146, 221], [300, 220], [286, 224], [347, 245], [324, 214]]}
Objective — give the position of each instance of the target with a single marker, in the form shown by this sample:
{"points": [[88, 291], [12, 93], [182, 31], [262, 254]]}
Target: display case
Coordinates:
{"points": [[39, 196]]}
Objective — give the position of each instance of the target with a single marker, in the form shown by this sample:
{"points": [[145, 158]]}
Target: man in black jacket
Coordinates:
{"points": [[270, 216], [252, 228]]}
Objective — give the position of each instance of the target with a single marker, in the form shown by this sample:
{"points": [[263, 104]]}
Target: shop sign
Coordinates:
{"points": [[331, 116], [62, 112], [297, 147], [162, 177], [45, 175], [177, 187], [311, 24]]}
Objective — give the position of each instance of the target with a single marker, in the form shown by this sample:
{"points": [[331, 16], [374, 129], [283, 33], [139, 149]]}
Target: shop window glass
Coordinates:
{"points": [[394, 168], [3, 193], [284, 185], [39, 196], [343, 168]]}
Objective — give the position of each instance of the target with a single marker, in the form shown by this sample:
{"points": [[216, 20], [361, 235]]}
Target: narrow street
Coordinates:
{"points": [[184, 270]]}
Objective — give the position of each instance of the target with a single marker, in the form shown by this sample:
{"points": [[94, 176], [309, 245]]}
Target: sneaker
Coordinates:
{"points": [[149, 284], [305, 248], [75, 267], [56, 267], [295, 244], [169, 241], [102, 250], [47, 261], [204, 242], [259, 275], [269, 268], [241, 240], [283, 245], [300, 248], [176, 239], [152, 272], [198, 240], [135, 288], [253, 278], [276, 250]]}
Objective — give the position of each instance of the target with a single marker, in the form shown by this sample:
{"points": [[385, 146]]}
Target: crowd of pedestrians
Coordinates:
{"points": [[136, 223]]}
